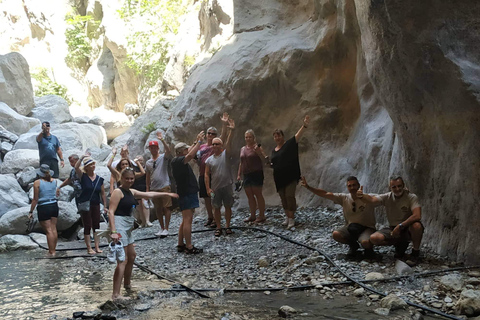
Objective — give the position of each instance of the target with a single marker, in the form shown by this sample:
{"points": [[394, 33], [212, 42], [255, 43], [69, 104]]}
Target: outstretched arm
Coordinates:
{"points": [[152, 194], [193, 150], [319, 192], [366, 197], [304, 126]]}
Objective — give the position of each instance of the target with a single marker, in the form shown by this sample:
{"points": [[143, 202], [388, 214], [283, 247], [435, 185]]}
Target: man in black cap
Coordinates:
{"points": [[48, 148]]}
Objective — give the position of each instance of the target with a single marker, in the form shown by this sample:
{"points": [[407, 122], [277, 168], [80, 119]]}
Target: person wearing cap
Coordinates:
{"points": [[93, 190], [157, 179], [44, 198], [187, 189], [219, 186], [204, 152], [49, 148]]}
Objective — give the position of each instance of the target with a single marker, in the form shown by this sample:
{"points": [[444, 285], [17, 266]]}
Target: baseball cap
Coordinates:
{"points": [[153, 143], [180, 146]]}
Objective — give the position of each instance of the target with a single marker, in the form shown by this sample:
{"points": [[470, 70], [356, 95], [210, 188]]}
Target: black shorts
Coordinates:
{"points": [[253, 179], [47, 211], [53, 164], [203, 189]]}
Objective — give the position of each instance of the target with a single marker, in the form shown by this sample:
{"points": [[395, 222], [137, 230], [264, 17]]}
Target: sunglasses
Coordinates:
{"points": [[154, 163], [216, 144], [354, 206], [129, 169], [212, 133], [47, 125]]}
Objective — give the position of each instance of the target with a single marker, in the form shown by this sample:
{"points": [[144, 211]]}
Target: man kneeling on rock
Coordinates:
{"points": [[403, 214], [359, 217]]}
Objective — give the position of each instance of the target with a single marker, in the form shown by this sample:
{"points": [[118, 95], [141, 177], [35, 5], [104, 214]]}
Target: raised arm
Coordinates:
{"points": [[228, 144], [224, 119], [78, 170], [304, 126], [115, 175], [193, 150], [319, 192], [366, 197], [40, 135], [142, 171]]}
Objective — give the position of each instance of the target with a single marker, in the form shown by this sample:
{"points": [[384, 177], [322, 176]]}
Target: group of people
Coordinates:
{"points": [[134, 183]]}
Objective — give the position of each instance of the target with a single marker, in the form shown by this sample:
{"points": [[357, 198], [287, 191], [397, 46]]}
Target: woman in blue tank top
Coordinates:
{"points": [[121, 220], [45, 199]]}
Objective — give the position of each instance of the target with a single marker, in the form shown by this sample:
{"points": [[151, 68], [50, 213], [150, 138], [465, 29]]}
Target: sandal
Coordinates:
{"points": [[208, 223], [193, 250], [181, 248], [218, 232], [250, 219], [213, 225], [229, 231]]}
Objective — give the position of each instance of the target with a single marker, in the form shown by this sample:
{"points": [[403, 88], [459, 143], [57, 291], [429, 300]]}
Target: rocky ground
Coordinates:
{"points": [[255, 260]]}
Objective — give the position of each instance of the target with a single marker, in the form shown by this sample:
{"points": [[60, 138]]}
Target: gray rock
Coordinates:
{"points": [[402, 268], [5, 147], [374, 297], [374, 276], [11, 242], [393, 302], [7, 136], [359, 292], [452, 282], [469, 303], [114, 123], [51, 108], [81, 119], [17, 160], [142, 307], [475, 274], [263, 262], [286, 311], [14, 122], [15, 84], [473, 281], [26, 176], [12, 195], [382, 311]]}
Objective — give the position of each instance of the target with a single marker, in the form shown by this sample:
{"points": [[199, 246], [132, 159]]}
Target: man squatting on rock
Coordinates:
{"points": [[359, 216], [404, 214], [48, 148], [158, 180], [187, 189]]}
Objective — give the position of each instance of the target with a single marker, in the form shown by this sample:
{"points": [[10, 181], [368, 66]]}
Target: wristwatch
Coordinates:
{"points": [[400, 225]]}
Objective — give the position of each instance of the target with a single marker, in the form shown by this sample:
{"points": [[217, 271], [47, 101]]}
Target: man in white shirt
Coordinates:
{"points": [[157, 179]]}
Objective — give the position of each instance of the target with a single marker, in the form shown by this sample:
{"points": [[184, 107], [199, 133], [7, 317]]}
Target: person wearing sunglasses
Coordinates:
{"points": [[202, 155], [359, 217], [404, 215], [218, 179], [157, 180], [49, 148]]}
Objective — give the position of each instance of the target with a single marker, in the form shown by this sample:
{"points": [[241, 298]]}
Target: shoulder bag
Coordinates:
{"points": [[85, 205]]}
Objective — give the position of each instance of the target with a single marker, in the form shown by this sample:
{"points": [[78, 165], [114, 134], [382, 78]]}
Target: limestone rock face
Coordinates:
{"points": [[15, 85], [12, 195], [15, 122], [51, 108]]}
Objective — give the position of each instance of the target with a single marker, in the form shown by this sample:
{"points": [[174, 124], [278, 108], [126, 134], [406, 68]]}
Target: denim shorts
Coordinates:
{"points": [[124, 226], [189, 201], [223, 195]]}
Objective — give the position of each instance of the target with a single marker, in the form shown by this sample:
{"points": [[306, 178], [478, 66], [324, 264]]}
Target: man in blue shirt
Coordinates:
{"points": [[48, 148]]}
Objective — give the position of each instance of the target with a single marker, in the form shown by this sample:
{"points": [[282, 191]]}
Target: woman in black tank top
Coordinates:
{"points": [[121, 220]]}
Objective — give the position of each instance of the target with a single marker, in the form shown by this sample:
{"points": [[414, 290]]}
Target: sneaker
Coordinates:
{"points": [[285, 223], [291, 223], [164, 233], [112, 253], [149, 224], [120, 251], [159, 233]]}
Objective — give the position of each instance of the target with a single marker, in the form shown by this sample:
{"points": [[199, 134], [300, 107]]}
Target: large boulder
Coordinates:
{"points": [[12, 242], [17, 160], [15, 84], [26, 176], [114, 123], [51, 108], [12, 195], [469, 303], [13, 222], [15, 122], [7, 136], [72, 136]]}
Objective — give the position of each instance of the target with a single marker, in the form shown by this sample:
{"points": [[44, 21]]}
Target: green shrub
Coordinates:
{"points": [[78, 41], [44, 85], [149, 128]]}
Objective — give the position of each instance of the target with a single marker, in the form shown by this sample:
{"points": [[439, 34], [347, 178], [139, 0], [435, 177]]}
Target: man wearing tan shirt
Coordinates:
{"points": [[404, 214], [359, 217]]}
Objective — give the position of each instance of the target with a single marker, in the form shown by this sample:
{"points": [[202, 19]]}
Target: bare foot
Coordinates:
{"points": [[260, 220], [119, 298], [51, 254], [250, 219], [91, 251], [98, 250]]}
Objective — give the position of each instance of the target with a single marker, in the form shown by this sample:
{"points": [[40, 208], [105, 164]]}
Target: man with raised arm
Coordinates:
{"points": [[359, 217], [187, 189], [220, 185], [157, 179], [403, 214], [49, 148]]}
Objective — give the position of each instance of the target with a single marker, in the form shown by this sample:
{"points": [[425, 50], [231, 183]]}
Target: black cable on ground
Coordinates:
{"points": [[358, 282]]}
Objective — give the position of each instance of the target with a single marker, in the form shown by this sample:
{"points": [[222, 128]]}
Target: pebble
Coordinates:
{"points": [[374, 297], [374, 276], [382, 311], [448, 300], [359, 292], [286, 311]]}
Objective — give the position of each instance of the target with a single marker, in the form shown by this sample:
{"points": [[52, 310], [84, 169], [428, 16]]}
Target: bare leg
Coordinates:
{"points": [[130, 256], [187, 227], [337, 236], [86, 238], [180, 233], [252, 204], [378, 239], [159, 212], [145, 214], [50, 233], [218, 218], [228, 216], [257, 191], [117, 278], [168, 215], [209, 207], [416, 231], [96, 239]]}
